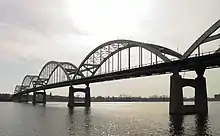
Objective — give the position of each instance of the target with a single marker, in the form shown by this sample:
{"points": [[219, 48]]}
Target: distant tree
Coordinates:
{"points": [[153, 96]]}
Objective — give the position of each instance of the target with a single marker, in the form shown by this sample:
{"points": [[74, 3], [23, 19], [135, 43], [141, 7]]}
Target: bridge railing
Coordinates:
{"points": [[202, 54], [155, 63], [132, 67]]}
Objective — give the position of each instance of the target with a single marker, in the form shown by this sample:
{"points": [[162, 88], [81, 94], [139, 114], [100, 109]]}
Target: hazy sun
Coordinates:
{"points": [[107, 18]]}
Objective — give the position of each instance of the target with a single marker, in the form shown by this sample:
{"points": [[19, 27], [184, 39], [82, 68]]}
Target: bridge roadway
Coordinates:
{"points": [[189, 64]]}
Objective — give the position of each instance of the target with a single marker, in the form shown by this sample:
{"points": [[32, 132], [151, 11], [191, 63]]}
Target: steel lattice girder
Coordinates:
{"points": [[100, 54]]}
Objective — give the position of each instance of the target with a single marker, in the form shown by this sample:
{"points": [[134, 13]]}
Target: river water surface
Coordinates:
{"points": [[104, 119]]}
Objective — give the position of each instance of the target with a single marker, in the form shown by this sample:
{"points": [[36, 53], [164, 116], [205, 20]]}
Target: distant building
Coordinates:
{"points": [[217, 96]]}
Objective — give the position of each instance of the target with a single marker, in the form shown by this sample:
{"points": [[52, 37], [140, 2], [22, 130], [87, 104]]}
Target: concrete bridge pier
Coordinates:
{"points": [[71, 97], [201, 100], [87, 96], [23, 98], [34, 98], [71, 101], [43, 96], [27, 97], [176, 94]]}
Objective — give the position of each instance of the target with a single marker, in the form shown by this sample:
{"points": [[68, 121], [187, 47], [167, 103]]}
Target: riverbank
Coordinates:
{"points": [[56, 98]]}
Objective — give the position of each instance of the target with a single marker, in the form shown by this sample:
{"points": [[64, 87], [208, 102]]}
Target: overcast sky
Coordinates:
{"points": [[37, 31]]}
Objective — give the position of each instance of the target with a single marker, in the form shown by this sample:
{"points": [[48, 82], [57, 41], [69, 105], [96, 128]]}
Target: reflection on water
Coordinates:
{"points": [[87, 121], [201, 125], [86, 126], [104, 119], [176, 125]]}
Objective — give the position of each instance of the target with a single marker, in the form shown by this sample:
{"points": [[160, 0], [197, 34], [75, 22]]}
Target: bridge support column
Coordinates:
{"points": [[71, 97], [34, 98], [87, 96], [43, 97], [23, 98], [176, 94], [27, 97], [201, 100], [71, 101], [19, 98]]}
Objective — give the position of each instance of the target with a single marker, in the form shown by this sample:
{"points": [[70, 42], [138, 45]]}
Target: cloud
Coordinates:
{"points": [[41, 16], [35, 29]]}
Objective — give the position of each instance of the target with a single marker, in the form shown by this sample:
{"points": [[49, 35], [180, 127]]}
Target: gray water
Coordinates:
{"points": [[104, 119]]}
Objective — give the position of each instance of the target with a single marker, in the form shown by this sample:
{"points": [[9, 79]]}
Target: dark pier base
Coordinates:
{"points": [[23, 98], [41, 96], [176, 94], [72, 90]]}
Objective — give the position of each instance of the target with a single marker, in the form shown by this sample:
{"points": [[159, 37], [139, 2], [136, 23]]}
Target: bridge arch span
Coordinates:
{"points": [[28, 80], [17, 89], [99, 55], [204, 38], [26, 83], [49, 69]]}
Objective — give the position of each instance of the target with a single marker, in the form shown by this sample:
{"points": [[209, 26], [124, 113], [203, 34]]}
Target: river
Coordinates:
{"points": [[104, 119]]}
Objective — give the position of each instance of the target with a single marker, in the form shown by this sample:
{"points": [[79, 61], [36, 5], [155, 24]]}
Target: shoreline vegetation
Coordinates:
{"points": [[121, 98], [5, 97]]}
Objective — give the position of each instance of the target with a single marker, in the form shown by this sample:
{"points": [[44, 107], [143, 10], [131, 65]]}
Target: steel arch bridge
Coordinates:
{"points": [[102, 54], [55, 72], [52, 72], [115, 60]]}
